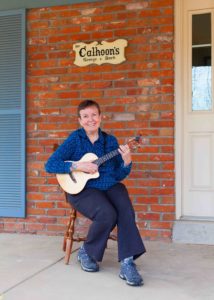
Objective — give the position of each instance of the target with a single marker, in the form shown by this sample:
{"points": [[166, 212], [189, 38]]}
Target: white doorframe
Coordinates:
{"points": [[178, 106], [180, 62], [184, 229]]}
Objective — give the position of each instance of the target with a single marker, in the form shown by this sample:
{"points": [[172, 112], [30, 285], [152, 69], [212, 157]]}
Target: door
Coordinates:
{"points": [[198, 110]]}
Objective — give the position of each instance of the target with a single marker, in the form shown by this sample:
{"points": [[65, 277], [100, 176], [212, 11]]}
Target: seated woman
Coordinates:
{"points": [[104, 200]]}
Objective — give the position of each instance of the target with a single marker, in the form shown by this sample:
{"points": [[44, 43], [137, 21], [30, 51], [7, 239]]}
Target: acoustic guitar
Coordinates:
{"points": [[74, 182]]}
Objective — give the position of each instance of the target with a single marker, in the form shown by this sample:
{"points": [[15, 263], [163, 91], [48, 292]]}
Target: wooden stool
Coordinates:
{"points": [[69, 237]]}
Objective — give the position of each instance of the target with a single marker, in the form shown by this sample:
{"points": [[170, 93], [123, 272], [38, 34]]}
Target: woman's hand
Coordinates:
{"points": [[124, 150], [87, 167]]}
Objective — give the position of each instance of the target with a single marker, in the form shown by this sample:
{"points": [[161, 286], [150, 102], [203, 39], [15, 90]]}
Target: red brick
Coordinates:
{"points": [[138, 191], [63, 204], [114, 93], [168, 166], [37, 41], [91, 94], [47, 220], [150, 13], [37, 56], [56, 212], [52, 180], [137, 5], [161, 3], [113, 76], [55, 196], [59, 228], [113, 8], [101, 84], [166, 199], [81, 36], [45, 204], [151, 234], [90, 9], [163, 20], [102, 35], [163, 174], [149, 216], [66, 62], [34, 227], [59, 54], [161, 157], [13, 227], [162, 208], [102, 18], [127, 15], [125, 32], [35, 211], [91, 76], [161, 225], [38, 25], [69, 13], [48, 189], [35, 196], [114, 25], [168, 217]]}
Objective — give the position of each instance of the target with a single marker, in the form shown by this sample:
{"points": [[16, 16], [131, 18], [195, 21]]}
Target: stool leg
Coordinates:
{"points": [[68, 249], [68, 239], [66, 235]]}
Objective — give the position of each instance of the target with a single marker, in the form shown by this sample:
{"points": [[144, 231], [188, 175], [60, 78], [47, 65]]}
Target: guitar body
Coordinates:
{"points": [[76, 183]]}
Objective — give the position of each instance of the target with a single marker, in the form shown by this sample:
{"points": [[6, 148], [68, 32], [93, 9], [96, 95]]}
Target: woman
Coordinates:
{"points": [[104, 200]]}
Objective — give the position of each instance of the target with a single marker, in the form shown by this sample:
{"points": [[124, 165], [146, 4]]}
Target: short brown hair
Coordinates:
{"points": [[87, 103]]}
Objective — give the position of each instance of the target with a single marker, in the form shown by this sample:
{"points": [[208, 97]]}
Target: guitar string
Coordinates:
{"points": [[111, 154], [106, 157]]}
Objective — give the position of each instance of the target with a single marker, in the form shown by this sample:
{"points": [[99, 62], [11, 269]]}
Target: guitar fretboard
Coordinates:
{"points": [[105, 157], [113, 153]]}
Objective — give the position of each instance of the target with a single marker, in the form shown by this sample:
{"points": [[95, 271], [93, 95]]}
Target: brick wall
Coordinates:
{"points": [[135, 96]]}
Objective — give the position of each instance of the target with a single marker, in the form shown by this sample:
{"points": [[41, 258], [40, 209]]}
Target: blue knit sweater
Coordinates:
{"points": [[78, 144]]}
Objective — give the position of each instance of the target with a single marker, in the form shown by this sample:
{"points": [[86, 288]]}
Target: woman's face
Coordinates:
{"points": [[90, 119]]}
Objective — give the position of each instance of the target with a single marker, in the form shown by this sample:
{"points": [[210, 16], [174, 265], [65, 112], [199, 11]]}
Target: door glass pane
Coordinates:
{"points": [[201, 62]]}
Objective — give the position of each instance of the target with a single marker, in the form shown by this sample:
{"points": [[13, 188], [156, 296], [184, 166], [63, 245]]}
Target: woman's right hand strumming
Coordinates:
{"points": [[87, 167]]}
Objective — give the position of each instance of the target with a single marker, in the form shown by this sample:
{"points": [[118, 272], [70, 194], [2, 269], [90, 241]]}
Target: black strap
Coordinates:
{"points": [[105, 141]]}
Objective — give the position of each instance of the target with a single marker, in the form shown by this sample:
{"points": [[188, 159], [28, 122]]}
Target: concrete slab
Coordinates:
{"points": [[33, 268], [195, 232], [23, 255]]}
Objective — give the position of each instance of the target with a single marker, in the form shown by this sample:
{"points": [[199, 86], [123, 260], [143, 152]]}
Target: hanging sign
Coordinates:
{"points": [[100, 53]]}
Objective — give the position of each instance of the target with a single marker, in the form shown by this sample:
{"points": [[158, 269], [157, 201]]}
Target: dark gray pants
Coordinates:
{"points": [[107, 209]]}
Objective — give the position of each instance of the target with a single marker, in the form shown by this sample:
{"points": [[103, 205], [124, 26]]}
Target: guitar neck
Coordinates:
{"points": [[113, 153], [105, 157]]}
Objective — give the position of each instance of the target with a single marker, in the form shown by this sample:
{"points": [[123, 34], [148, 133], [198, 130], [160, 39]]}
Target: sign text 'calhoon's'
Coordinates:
{"points": [[100, 52]]}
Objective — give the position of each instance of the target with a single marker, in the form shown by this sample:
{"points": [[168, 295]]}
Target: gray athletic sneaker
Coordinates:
{"points": [[128, 272], [87, 263]]}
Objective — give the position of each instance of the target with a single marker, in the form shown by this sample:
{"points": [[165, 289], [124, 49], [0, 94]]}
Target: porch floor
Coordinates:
{"points": [[32, 267]]}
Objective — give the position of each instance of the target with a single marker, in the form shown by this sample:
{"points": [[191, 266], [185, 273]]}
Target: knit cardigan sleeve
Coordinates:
{"points": [[57, 161]]}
